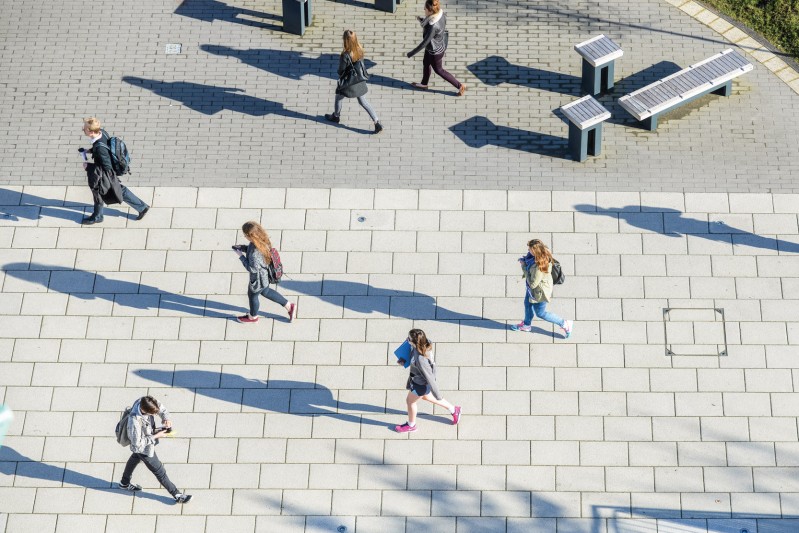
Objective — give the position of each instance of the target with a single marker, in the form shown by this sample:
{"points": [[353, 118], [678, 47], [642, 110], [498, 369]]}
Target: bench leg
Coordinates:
{"points": [[607, 76], [591, 80], [389, 6], [650, 123], [594, 140], [578, 143], [724, 90]]}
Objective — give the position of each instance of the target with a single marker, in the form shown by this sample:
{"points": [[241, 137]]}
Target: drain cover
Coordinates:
{"points": [[695, 331], [173, 48]]}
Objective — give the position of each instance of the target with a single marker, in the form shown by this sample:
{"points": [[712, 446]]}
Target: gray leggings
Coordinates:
{"points": [[361, 100]]}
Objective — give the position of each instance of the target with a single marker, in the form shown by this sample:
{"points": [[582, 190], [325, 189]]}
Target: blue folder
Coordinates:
{"points": [[404, 352]]}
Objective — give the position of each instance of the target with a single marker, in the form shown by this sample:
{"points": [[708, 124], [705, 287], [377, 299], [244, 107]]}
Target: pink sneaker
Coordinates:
{"points": [[405, 428], [521, 327], [456, 415], [245, 319], [292, 312]]}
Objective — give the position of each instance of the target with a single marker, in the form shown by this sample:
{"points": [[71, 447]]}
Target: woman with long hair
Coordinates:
{"points": [[256, 258], [422, 381], [434, 41], [537, 271], [352, 79]]}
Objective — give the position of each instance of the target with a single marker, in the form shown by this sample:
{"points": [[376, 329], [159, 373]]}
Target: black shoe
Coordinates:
{"points": [[182, 498], [91, 220], [333, 118], [132, 487], [378, 128], [143, 212]]}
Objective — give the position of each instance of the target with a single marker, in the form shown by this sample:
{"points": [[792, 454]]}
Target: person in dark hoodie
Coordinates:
{"points": [[352, 78], [434, 42], [422, 383], [101, 153]]}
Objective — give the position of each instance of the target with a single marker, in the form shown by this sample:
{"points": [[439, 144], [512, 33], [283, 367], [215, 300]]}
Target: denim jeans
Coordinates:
{"points": [[269, 294], [154, 465], [361, 100], [127, 196], [540, 310]]}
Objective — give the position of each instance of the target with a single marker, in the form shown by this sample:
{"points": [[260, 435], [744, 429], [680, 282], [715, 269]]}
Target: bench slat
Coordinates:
{"points": [[585, 112], [689, 82], [599, 50]]}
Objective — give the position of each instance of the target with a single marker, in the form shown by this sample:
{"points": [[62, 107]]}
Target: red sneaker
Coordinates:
{"points": [[245, 319], [456, 415], [405, 428], [292, 312]]}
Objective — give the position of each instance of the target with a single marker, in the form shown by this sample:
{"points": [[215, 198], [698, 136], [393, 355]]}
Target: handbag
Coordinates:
{"points": [[354, 73]]}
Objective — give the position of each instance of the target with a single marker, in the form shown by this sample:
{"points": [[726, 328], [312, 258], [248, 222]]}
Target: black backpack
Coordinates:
{"points": [[120, 157], [558, 277]]}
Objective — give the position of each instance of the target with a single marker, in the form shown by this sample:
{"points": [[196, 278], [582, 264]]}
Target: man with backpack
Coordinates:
{"points": [[136, 428], [111, 160]]}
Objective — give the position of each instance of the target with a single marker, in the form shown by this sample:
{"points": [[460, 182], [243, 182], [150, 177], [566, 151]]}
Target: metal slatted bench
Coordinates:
{"points": [[599, 54], [713, 75], [586, 116]]}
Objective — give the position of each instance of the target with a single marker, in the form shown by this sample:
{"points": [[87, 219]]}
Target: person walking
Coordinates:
{"points": [[537, 271], [422, 381], [143, 439], [434, 41], [101, 155], [257, 259], [352, 78]]}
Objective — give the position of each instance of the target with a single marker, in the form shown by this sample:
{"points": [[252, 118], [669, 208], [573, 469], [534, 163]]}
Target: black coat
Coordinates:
{"points": [[105, 183], [357, 89]]}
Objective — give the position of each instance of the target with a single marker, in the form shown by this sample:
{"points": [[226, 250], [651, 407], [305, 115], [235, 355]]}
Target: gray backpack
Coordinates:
{"points": [[122, 428]]}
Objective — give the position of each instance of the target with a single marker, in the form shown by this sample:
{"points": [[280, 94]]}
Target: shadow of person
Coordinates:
{"points": [[674, 223], [477, 132], [496, 70], [300, 398], [16, 206], [211, 10], [294, 65], [14, 463], [365, 299], [91, 286], [210, 99]]}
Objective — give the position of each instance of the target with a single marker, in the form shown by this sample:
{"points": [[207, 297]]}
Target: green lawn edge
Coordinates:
{"points": [[776, 20]]}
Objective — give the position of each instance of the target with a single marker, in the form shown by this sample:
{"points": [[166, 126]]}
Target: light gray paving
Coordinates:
{"points": [[287, 426], [242, 104]]}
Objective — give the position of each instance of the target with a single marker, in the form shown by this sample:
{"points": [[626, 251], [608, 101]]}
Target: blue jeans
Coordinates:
{"points": [[127, 196], [540, 310], [269, 294], [361, 100]]}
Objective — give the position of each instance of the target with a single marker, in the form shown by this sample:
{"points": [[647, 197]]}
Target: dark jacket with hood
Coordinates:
{"points": [[357, 89]]}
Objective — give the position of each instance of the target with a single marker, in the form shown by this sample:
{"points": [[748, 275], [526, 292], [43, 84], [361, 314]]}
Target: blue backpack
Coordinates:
{"points": [[120, 157]]}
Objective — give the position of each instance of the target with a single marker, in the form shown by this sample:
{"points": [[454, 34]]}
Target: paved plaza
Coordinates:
{"points": [[283, 426], [673, 408]]}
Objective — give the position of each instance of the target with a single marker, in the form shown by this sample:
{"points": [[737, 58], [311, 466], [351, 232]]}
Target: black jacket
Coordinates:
{"points": [[101, 152], [434, 38], [354, 90]]}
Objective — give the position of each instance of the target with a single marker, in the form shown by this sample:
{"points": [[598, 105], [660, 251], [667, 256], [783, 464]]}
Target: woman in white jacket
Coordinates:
{"points": [[143, 439]]}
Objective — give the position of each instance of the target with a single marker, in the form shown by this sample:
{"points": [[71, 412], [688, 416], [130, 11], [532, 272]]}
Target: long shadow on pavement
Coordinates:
{"points": [[16, 206], [674, 223], [280, 396], [211, 10], [363, 298], [478, 131], [495, 70], [14, 463], [294, 65], [90, 286]]}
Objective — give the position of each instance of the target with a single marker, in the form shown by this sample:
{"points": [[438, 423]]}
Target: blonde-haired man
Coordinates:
{"points": [[101, 154]]}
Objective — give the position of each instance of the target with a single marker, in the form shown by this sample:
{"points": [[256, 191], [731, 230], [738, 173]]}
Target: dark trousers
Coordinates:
{"points": [[155, 466], [127, 196], [436, 63]]}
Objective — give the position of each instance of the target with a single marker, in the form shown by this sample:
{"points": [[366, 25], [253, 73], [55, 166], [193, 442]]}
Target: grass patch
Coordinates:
{"points": [[776, 20]]}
